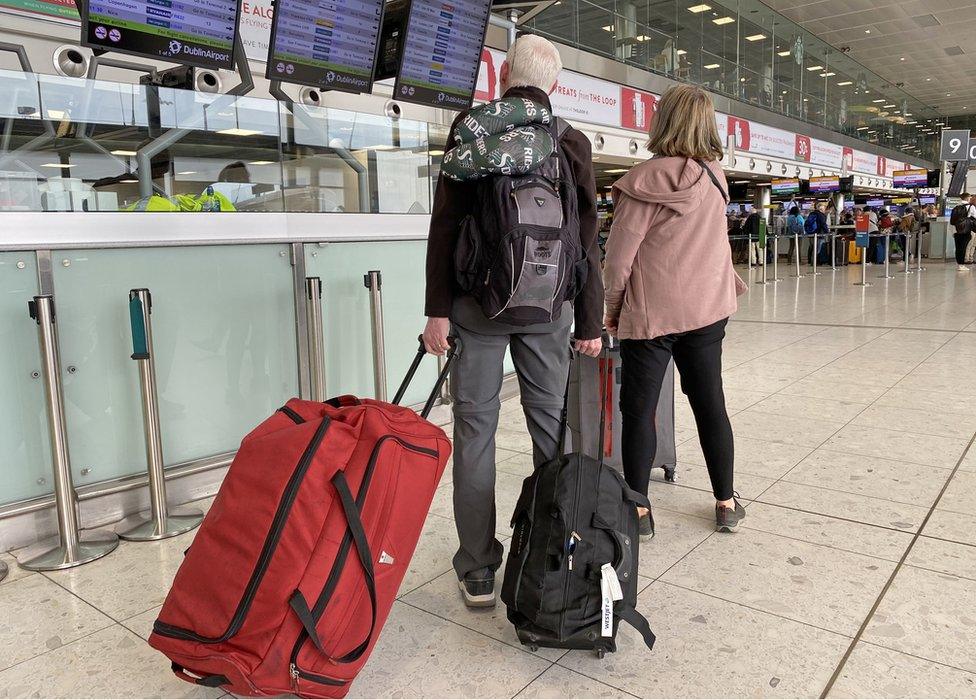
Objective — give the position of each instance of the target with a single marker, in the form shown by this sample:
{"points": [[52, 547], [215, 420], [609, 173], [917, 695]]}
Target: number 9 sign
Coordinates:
{"points": [[956, 145]]}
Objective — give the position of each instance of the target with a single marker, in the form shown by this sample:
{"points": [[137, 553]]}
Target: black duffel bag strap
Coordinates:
{"points": [[365, 558], [636, 498], [211, 681], [714, 179], [633, 618]]}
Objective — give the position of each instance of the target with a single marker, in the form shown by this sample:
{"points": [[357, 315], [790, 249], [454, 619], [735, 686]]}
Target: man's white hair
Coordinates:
{"points": [[533, 62]]}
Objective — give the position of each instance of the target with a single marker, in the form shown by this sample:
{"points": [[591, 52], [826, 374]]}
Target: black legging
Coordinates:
{"points": [[698, 357], [962, 241]]}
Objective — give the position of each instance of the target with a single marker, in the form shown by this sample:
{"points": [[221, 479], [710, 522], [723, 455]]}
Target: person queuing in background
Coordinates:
{"points": [[873, 233], [540, 351], [818, 224], [963, 219], [670, 289], [794, 229], [751, 228]]}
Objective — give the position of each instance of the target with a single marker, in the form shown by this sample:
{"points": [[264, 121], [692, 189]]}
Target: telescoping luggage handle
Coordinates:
{"points": [[452, 355]]}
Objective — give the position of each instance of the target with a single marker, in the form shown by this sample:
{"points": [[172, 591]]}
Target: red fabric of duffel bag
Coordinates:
{"points": [[295, 568]]}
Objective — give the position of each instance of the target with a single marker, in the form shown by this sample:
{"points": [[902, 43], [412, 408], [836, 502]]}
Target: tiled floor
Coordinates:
{"points": [[854, 574]]}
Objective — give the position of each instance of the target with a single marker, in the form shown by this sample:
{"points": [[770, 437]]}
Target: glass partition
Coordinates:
{"points": [[26, 470], [225, 346], [89, 145]]}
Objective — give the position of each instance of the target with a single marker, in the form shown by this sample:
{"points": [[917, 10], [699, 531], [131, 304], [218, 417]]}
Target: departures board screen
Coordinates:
{"points": [[442, 52], [196, 33], [329, 44]]}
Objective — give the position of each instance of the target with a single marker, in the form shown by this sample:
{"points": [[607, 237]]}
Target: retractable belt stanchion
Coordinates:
{"points": [[908, 253], [446, 384], [918, 251], [776, 277], [796, 252], [887, 243], [374, 283], [815, 254], [316, 347], [160, 522], [833, 251], [864, 266], [69, 547]]}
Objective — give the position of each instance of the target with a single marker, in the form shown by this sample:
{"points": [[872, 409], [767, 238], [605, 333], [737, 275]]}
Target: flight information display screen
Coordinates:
{"points": [[819, 185], [910, 179], [442, 52], [198, 33], [330, 44], [783, 187]]}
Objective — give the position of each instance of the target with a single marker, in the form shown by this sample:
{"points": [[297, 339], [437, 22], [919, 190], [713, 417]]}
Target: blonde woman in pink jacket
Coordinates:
{"points": [[670, 289]]}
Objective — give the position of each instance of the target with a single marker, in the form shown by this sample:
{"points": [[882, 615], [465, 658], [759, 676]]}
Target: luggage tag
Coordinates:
{"points": [[611, 591]]}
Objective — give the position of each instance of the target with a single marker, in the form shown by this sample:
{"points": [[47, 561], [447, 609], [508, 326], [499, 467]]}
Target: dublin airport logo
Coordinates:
{"points": [[175, 47]]}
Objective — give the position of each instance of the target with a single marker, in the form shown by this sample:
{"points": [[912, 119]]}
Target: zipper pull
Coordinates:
{"points": [[293, 672], [576, 536], [570, 562]]}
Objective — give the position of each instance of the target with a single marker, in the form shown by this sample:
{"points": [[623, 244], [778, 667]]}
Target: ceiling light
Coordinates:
{"points": [[56, 114], [877, 101], [129, 180], [816, 67], [680, 52], [616, 171], [261, 162], [783, 53], [948, 94], [928, 80], [867, 31], [608, 28], [57, 165], [742, 80], [699, 8], [710, 66], [827, 75], [902, 58], [124, 153], [843, 83], [238, 132], [187, 172], [436, 153], [755, 37], [723, 20], [379, 147], [887, 106]]}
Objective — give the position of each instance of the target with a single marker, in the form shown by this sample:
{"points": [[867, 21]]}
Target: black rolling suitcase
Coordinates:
{"points": [[571, 575], [593, 377]]}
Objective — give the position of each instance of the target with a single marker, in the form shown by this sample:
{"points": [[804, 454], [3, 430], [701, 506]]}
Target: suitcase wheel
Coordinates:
{"points": [[600, 653], [532, 647], [669, 474]]}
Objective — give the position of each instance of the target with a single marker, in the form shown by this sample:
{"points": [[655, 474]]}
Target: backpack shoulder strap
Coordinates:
{"points": [[560, 126], [713, 178]]}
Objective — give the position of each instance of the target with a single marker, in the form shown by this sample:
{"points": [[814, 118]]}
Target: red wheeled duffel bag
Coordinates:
{"points": [[294, 570]]}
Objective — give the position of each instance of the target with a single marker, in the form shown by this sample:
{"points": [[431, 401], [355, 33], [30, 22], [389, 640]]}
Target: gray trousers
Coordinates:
{"points": [[541, 357]]}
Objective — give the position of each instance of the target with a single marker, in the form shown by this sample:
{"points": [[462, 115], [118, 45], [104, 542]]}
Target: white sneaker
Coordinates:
{"points": [[963, 268]]}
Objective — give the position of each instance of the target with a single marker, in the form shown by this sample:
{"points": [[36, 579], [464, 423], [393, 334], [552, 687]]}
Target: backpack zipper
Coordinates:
{"points": [[338, 566], [267, 550], [579, 485]]}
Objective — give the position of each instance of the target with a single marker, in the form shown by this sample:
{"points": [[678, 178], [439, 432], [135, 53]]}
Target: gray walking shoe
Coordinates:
{"points": [[728, 519], [646, 526], [478, 588]]}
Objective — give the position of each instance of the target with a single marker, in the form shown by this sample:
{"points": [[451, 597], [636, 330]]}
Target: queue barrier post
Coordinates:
{"points": [[160, 522], [776, 277], [864, 264], [70, 547], [833, 251], [918, 251], [908, 254], [316, 345], [815, 253], [373, 281], [887, 253], [796, 253]]}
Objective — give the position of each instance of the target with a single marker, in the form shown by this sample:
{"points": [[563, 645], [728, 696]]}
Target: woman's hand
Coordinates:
{"points": [[610, 323]]}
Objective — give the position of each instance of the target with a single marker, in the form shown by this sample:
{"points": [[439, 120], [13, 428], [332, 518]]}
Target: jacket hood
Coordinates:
{"points": [[674, 182]]}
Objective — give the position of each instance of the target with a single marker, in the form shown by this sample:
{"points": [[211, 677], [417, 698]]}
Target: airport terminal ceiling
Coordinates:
{"points": [[747, 51]]}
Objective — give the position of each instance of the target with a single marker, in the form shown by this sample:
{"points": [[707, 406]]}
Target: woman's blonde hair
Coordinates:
{"points": [[684, 125]]}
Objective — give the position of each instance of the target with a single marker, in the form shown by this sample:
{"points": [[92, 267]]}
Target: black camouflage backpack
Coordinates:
{"points": [[519, 253]]}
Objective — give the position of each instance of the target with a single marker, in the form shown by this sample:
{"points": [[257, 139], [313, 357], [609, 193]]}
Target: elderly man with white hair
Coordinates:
{"points": [[540, 352]]}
